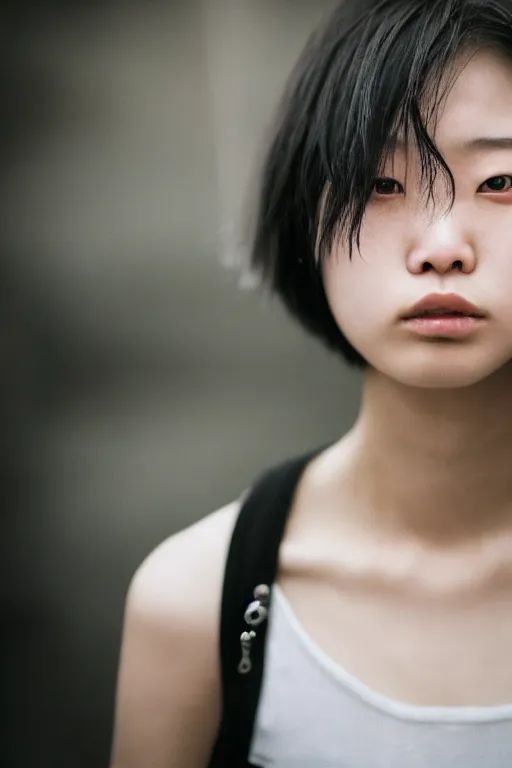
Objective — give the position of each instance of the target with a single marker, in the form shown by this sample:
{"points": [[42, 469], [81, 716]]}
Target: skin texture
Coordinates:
{"points": [[406, 522]]}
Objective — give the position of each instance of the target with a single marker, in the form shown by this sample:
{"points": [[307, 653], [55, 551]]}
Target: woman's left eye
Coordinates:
{"points": [[498, 184]]}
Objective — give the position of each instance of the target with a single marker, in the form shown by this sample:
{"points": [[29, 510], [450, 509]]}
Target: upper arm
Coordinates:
{"points": [[168, 695]]}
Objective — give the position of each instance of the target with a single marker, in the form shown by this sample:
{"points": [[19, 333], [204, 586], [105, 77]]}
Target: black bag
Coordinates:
{"points": [[251, 570]]}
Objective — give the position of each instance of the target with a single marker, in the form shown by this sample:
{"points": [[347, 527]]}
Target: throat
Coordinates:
{"points": [[433, 465]]}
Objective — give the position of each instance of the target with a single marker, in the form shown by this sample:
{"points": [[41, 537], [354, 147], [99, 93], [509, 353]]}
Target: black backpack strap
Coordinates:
{"points": [[251, 571]]}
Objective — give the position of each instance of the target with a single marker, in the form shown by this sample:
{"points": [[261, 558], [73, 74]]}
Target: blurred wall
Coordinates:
{"points": [[144, 388]]}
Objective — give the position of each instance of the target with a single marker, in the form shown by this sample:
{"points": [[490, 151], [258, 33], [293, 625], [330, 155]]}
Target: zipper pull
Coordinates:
{"points": [[245, 664], [257, 611]]}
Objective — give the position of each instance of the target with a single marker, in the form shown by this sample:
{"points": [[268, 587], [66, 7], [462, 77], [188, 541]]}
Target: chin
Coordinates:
{"points": [[440, 380], [456, 370]]}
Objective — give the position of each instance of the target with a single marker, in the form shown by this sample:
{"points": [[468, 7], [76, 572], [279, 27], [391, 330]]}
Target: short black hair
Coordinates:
{"points": [[373, 69]]}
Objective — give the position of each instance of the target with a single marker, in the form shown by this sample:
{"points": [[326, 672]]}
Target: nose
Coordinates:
{"points": [[443, 248]]}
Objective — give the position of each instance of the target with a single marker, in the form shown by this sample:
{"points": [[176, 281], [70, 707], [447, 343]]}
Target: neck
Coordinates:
{"points": [[436, 463]]}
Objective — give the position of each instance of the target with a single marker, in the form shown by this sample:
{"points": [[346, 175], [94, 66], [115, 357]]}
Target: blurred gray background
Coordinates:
{"points": [[142, 388]]}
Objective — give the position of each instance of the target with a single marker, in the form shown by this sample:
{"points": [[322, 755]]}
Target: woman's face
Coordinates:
{"points": [[409, 252]]}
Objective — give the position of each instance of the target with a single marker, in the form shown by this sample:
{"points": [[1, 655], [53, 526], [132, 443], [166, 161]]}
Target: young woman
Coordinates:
{"points": [[362, 594]]}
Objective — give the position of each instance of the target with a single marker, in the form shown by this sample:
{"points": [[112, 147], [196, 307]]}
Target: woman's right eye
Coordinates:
{"points": [[385, 187]]}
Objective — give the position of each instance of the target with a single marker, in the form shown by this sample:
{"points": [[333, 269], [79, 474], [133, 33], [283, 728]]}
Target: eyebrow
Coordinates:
{"points": [[471, 145], [487, 142]]}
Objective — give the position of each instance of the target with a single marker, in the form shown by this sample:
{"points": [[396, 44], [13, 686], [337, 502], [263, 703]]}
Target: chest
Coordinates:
{"points": [[312, 711], [431, 650]]}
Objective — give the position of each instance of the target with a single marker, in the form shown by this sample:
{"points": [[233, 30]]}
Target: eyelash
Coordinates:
{"points": [[491, 178]]}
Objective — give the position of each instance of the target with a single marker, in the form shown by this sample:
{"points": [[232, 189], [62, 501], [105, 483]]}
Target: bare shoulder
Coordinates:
{"points": [[168, 693], [186, 571]]}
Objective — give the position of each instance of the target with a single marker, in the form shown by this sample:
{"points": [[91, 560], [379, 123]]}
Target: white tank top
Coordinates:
{"points": [[313, 714]]}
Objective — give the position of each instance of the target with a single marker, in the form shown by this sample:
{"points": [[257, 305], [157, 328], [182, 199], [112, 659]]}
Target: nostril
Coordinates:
{"points": [[457, 265]]}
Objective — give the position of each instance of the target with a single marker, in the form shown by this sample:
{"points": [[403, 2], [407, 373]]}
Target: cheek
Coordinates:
{"points": [[359, 292], [347, 288]]}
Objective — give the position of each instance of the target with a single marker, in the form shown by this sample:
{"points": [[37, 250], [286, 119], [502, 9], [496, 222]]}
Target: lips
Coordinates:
{"points": [[443, 305]]}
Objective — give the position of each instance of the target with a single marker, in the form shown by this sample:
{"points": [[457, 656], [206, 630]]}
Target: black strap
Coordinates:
{"points": [[252, 560]]}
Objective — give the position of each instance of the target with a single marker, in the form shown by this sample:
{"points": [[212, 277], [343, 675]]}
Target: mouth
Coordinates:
{"points": [[443, 306], [441, 313], [442, 316]]}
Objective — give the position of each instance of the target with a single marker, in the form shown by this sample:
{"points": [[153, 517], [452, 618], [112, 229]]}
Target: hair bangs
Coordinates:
{"points": [[402, 72]]}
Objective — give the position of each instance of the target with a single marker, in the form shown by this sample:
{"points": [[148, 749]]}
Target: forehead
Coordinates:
{"points": [[479, 102]]}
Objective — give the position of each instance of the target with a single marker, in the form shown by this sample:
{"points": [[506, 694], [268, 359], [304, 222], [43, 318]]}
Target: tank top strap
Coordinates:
{"points": [[251, 570]]}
